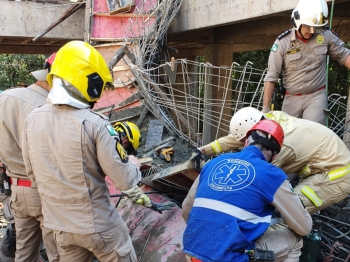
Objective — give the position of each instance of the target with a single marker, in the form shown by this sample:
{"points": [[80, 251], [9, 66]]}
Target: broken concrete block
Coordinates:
{"points": [[154, 133]]}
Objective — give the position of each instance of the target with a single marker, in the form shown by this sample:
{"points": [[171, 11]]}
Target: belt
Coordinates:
{"points": [[22, 182], [300, 94]]}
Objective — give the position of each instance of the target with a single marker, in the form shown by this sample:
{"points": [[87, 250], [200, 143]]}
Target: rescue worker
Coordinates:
{"points": [[299, 54], [8, 241], [25, 205], [230, 205], [129, 136], [70, 167], [311, 150]]}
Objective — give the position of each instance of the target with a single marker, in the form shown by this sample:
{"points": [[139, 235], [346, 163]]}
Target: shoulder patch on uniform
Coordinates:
{"points": [[111, 130], [274, 47], [334, 33], [121, 152], [284, 34]]}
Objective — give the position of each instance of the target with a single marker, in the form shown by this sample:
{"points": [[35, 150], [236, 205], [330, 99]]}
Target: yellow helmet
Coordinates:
{"points": [[83, 66], [131, 131]]}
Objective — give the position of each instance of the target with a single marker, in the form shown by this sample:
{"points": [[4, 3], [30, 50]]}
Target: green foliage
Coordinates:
{"points": [[15, 69], [338, 77]]}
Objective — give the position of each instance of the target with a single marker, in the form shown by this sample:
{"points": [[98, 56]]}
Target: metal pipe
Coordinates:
{"points": [[327, 63]]}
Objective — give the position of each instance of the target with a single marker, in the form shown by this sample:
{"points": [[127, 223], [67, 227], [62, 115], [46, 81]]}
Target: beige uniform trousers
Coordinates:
{"points": [[284, 242], [26, 209], [308, 106], [104, 245], [329, 192]]}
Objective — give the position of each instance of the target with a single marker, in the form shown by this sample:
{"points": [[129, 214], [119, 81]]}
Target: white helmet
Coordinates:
{"points": [[243, 121], [310, 12]]}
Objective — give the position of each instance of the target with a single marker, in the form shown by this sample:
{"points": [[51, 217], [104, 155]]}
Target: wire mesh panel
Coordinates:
{"points": [[338, 114], [194, 97]]}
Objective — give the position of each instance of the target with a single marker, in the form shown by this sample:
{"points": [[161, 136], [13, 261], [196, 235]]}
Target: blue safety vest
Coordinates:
{"points": [[232, 207]]}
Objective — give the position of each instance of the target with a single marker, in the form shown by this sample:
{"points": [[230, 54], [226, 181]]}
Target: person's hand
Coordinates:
{"points": [[265, 109], [196, 158], [134, 160], [136, 195], [144, 200]]}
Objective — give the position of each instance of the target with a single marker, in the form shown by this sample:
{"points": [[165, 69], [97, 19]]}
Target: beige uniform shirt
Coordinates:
{"points": [[303, 65], [15, 105], [68, 152], [306, 144]]}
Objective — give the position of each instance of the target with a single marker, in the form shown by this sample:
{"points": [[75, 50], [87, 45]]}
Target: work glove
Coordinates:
{"points": [[196, 158], [265, 109], [144, 200], [136, 195]]}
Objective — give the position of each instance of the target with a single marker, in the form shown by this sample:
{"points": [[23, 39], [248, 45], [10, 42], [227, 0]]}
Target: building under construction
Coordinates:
{"points": [[181, 90]]}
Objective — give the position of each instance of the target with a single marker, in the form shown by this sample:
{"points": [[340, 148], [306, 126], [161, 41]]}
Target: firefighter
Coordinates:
{"points": [[70, 167], [230, 205], [311, 150], [129, 136], [24, 203], [299, 54]]}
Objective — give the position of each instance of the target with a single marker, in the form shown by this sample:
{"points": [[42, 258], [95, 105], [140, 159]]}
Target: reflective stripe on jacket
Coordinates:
{"points": [[223, 220]]}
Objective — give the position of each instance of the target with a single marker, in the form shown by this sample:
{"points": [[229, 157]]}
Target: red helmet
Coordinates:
{"points": [[49, 61], [274, 130], [42, 74]]}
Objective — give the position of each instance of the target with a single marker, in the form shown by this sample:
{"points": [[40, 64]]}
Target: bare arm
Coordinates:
{"points": [[347, 62], [292, 210], [268, 92], [189, 200]]}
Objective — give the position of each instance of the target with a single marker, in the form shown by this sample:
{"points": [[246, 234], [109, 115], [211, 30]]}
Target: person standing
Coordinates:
{"points": [[229, 207], [299, 54], [25, 204], [68, 151]]}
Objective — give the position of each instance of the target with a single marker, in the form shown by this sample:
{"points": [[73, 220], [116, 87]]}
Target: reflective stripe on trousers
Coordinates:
{"points": [[339, 172], [332, 175], [216, 147], [311, 195]]}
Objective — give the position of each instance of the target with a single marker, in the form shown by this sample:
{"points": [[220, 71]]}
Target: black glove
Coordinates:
{"points": [[159, 207], [162, 206], [196, 158]]}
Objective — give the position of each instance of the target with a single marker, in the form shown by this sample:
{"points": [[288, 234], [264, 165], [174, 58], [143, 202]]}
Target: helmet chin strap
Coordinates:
{"points": [[307, 39]]}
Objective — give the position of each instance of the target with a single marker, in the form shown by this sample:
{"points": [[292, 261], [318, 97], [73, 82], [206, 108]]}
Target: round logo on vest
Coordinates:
{"points": [[231, 175]]}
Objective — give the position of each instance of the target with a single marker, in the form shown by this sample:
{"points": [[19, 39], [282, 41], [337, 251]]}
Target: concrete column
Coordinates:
{"points": [[219, 55]]}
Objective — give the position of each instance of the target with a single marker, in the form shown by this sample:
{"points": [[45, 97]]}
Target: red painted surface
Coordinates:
{"points": [[119, 26], [156, 237], [116, 97]]}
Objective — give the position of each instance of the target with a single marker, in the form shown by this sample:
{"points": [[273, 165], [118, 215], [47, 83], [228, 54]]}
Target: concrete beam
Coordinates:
{"points": [[255, 35], [28, 19], [199, 14], [28, 49]]}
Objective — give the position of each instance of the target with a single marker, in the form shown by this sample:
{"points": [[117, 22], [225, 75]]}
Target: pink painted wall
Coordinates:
{"points": [[118, 26]]}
